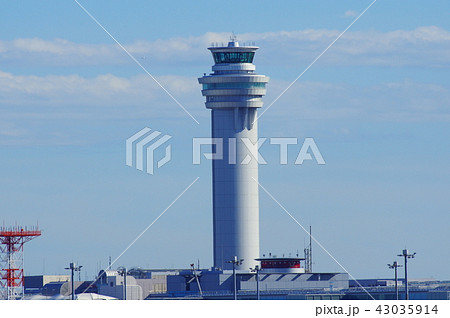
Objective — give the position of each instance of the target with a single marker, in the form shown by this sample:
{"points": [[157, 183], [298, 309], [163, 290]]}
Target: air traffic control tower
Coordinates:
{"points": [[234, 93]]}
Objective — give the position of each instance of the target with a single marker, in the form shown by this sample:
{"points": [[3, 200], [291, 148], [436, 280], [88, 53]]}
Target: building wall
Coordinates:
{"points": [[112, 284], [134, 292], [154, 285], [34, 284], [326, 281], [223, 281], [374, 282]]}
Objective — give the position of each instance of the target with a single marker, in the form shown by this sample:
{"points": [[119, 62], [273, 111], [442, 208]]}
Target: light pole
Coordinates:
{"points": [[256, 269], [196, 278], [406, 256], [394, 266], [123, 272], [73, 268], [235, 262]]}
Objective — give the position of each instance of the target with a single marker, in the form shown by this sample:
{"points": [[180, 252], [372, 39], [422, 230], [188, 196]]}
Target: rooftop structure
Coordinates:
{"points": [[281, 265]]}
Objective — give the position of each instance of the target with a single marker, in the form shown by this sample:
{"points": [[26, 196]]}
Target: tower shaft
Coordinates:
{"points": [[235, 190]]}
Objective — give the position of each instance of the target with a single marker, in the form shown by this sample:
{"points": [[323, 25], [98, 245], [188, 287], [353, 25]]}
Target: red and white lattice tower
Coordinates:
{"points": [[12, 240]]}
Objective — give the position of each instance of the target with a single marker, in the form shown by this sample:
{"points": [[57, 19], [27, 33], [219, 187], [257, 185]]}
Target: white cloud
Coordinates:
{"points": [[350, 13], [51, 108], [403, 101], [74, 89], [65, 109], [58, 52], [104, 96], [11, 130], [423, 46]]}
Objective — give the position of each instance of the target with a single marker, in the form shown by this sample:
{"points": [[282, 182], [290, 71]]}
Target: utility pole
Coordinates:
{"points": [[235, 262], [406, 256], [73, 268], [394, 266]]}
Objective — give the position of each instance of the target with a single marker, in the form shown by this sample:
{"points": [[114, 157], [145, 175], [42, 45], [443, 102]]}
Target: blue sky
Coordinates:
{"points": [[377, 105]]}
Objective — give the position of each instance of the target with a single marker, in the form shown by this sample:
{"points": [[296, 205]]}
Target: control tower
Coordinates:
{"points": [[234, 93]]}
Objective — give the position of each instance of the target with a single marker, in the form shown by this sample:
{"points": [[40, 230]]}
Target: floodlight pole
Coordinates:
{"points": [[196, 278], [235, 262], [73, 268], [125, 284], [123, 272], [406, 256], [256, 269], [395, 265]]}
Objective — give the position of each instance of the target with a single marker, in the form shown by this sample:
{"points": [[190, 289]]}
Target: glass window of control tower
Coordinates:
{"points": [[234, 85], [233, 57]]}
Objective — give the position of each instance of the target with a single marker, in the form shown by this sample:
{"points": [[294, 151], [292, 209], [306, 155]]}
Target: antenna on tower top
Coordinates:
{"points": [[233, 37]]}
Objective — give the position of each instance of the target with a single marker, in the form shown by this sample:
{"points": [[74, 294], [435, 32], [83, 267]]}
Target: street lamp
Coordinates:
{"points": [[256, 269], [74, 268], [123, 272], [394, 266], [196, 278], [406, 256], [235, 262]]}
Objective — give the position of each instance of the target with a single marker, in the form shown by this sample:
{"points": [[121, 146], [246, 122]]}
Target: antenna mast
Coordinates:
{"points": [[308, 254], [12, 240]]}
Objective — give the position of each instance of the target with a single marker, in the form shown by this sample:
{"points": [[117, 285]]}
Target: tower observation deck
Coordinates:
{"points": [[234, 93]]}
